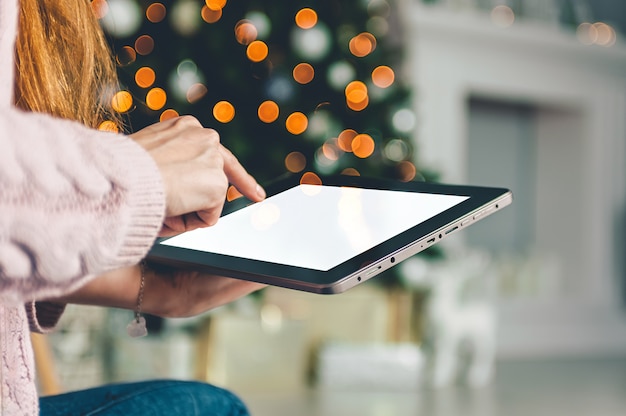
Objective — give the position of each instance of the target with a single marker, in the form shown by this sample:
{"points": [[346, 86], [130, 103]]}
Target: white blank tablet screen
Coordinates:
{"points": [[316, 227]]}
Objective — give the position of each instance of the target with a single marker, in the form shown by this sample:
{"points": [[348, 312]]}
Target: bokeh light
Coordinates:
{"points": [[186, 17], [396, 150], [210, 16], [168, 114], [257, 51], [268, 111], [233, 193], [108, 125], [407, 171], [156, 98], [123, 18], [383, 76], [295, 162], [362, 44], [145, 77], [502, 16], [261, 22], [312, 44], [339, 74], [100, 8], [224, 112], [196, 92], [357, 97], [122, 101], [144, 45], [606, 35], [245, 32], [344, 140], [156, 12], [403, 120], [363, 145], [303, 73], [310, 178], [266, 215], [297, 123], [306, 18], [350, 172], [125, 56], [215, 4]]}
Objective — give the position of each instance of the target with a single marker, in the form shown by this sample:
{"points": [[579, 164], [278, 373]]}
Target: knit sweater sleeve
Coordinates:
{"points": [[74, 202]]}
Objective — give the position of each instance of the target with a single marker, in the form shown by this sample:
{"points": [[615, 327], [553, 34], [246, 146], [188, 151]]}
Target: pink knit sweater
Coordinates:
{"points": [[74, 202]]}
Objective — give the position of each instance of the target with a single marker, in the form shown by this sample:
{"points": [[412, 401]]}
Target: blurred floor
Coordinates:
{"points": [[524, 388]]}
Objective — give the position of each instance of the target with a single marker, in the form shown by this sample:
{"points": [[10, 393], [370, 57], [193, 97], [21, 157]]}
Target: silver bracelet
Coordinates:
{"points": [[137, 327]]}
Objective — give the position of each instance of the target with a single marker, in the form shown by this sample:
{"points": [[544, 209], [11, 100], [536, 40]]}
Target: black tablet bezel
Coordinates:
{"points": [[333, 280]]}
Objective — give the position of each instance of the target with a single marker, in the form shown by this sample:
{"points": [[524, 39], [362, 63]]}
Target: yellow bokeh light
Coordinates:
{"points": [[297, 123], [108, 125], [268, 111], [122, 101], [125, 56], [156, 99], [383, 76], [362, 44], [215, 4], [344, 141], [100, 8], [245, 32], [233, 193], [168, 114], [156, 12], [306, 18], [144, 45], [303, 73], [211, 16], [363, 146], [224, 112], [145, 77], [295, 162], [310, 178], [257, 51]]}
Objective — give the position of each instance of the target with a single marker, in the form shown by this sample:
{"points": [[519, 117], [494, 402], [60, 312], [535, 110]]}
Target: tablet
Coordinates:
{"points": [[326, 238]]}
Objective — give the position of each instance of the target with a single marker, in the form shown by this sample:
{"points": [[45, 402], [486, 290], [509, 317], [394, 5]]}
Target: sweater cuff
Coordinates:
{"points": [[43, 316]]}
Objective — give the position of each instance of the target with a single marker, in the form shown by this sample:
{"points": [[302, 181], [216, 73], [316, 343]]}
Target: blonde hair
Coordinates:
{"points": [[63, 63]]}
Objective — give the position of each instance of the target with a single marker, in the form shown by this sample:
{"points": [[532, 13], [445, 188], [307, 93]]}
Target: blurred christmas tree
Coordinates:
{"points": [[291, 86]]}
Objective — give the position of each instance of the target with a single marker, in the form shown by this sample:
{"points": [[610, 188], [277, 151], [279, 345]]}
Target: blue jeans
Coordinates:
{"points": [[150, 398]]}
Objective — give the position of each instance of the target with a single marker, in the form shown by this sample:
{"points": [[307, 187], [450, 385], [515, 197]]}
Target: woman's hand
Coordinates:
{"points": [[168, 292], [196, 170]]}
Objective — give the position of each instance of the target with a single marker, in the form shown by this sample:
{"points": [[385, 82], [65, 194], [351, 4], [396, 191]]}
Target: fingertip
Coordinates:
{"points": [[260, 192]]}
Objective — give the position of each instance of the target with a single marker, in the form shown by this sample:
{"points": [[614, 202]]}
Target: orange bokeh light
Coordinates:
{"points": [[295, 162], [363, 146], [350, 172], [306, 18], [362, 44], [211, 16], [108, 125], [100, 8], [156, 98], [167, 114], [224, 112], [122, 101], [196, 92], [297, 123], [268, 111], [357, 97], [144, 45], [215, 4], [383, 76], [360, 106], [344, 141], [245, 32], [125, 56], [407, 170], [156, 12], [145, 77], [303, 73], [257, 51], [310, 178], [233, 193]]}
